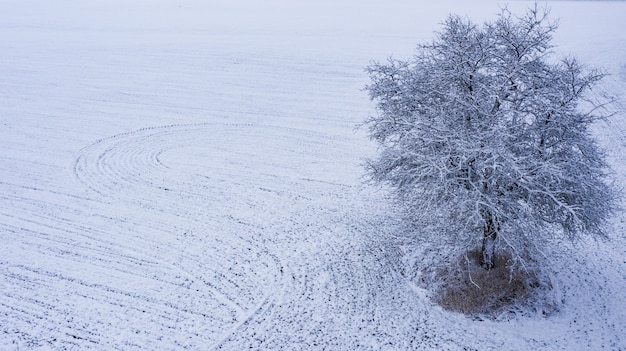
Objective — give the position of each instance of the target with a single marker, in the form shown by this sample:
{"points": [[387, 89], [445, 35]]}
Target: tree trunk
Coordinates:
{"points": [[490, 233]]}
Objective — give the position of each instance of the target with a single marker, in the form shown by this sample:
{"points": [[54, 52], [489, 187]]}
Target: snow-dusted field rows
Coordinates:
{"points": [[186, 175]]}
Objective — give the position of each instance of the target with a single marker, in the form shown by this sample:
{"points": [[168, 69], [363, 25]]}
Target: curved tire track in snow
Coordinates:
{"points": [[253, 196], [212, 235]]}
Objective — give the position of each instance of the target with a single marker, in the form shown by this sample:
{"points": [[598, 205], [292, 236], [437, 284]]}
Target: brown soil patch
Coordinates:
{"points": [[467, 287]]}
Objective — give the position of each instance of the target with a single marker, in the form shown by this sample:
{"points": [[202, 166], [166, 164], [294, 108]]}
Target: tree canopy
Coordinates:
{"points": [[485, 136]]}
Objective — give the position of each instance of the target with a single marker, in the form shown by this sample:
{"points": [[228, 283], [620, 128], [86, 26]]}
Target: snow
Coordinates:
{"points": [[186, 175]]}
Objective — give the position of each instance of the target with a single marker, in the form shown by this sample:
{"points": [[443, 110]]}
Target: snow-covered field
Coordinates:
{"points": [[186, 175]]}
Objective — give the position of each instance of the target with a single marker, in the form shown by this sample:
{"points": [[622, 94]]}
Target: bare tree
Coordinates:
{"points": [[485, 135]]}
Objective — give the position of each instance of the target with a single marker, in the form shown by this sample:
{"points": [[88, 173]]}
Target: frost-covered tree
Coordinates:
{"points": [[484, 135]]}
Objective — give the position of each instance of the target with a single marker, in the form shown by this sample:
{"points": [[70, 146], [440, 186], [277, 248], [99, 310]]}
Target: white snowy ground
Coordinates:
{"points": [[186, 175]]}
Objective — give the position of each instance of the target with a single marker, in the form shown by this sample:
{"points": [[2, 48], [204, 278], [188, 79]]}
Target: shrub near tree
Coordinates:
{"points": [[485, 136]]}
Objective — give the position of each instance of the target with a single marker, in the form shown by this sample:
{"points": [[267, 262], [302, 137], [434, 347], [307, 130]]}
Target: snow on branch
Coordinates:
{"points": [[484, 135]]}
